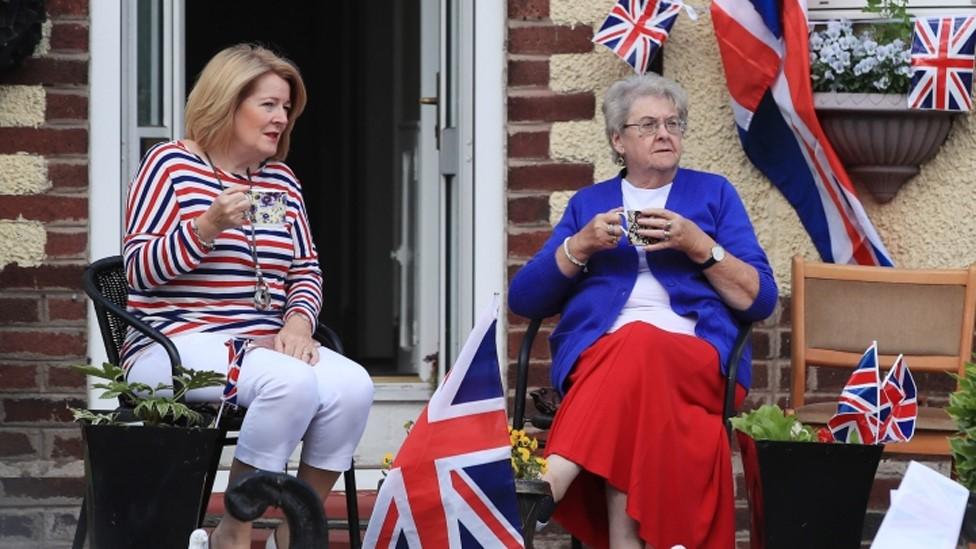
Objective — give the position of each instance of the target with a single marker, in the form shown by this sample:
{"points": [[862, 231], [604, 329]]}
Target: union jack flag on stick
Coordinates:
{"points": [[451, 484], [942, 63], [899, 405], [857, 418], [236, 349], [636, 29]]}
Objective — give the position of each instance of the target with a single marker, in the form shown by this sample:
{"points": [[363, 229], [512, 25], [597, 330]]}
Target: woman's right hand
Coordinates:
{"points": [[228, 210], [603, 232]]}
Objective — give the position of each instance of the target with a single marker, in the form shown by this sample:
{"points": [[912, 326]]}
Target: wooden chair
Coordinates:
{"points": [[927, 314], [105, 283]]}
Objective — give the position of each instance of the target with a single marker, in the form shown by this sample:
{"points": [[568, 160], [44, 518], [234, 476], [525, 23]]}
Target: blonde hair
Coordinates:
{"points": [[225, 82]]}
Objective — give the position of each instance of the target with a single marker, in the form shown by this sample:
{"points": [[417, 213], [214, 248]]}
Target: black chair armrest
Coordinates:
{"points": [[328, 338], [728, 409], [522, 373]]}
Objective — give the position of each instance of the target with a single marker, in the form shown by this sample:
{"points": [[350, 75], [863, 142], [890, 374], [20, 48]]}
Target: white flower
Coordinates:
{"points": [[816, 41], [833, 30], [828, 75], [881, 83]]}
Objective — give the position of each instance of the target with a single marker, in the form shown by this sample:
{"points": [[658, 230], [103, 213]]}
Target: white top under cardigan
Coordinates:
{"points": [[649, 301]]}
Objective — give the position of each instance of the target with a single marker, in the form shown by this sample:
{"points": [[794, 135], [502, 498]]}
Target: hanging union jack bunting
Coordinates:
{"points": [[942, 63], [636, 29]]}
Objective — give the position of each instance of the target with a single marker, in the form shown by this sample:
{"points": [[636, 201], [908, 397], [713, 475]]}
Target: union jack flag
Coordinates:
{"points": [[451, 484], [899, 406], [857, 407], [636, 29], [236, 348], [942, 62]]}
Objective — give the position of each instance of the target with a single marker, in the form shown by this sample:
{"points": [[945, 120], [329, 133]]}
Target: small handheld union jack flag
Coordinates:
{"points": [[636, 29], [942, 63], [899, 406], [236, 347], [856, 419]]}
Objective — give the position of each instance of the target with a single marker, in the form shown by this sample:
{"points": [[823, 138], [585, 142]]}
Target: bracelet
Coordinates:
{"points": [[208, 246], [572, 259]]}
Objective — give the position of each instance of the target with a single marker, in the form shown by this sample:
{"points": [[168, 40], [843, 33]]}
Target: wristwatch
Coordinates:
{"points": [[717, 254]]}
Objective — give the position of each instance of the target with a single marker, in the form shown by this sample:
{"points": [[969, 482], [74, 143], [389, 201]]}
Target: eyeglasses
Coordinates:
{"points": [[648, 126]]}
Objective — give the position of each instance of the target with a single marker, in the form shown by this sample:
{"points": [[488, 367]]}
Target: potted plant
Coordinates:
{"points": [[862, 75], [962, 410], [145, 475], [803, 489], [530, 489]]}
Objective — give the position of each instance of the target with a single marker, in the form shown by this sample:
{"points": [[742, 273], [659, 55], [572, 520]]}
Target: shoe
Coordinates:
{"points": [[545, 508]]}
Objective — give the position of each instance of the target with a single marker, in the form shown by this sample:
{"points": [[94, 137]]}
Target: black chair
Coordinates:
{"points": [[105, 283], [543, 419]]}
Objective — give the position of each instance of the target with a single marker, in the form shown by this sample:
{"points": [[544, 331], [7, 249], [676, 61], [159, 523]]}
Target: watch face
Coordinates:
{"points": [[718, 253]]}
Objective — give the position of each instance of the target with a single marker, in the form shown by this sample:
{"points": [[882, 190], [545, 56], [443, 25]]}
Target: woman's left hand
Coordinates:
{"points": [[672, 231], [295, 340]]}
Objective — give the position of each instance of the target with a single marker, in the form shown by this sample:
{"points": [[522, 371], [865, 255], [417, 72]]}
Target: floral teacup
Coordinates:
{"points": [[267, 207]]}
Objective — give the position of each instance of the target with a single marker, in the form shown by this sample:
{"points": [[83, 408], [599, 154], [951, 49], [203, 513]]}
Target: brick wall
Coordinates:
{"points": [[44, 232], [536, 182]]}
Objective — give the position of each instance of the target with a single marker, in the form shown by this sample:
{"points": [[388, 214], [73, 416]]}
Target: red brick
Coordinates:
{"points": [[14, 444], [46, 141], [528, 73], [760, 345], [69, 36], [549, 39], [540, 345], [528, 9], [551, 107], [528, 210], [550, 177], [44, 276], [66, 308], [66, 244], [67, 446], [66, 106], [46, 208], [19, 310], [67, 175], [526, 244], [65, 377], [17, 377], [43, 488], [33, 410], [67, 7], [538, 373], [528, 145], [60, 344], [47, 71]]}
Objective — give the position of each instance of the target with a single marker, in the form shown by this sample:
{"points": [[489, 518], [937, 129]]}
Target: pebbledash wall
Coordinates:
{"points": [[43, 248], [556, 144]]}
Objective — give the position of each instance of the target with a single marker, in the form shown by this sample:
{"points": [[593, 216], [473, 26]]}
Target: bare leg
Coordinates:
{"points": [[560, 473], [232, 533], [322, 482], [623, 529]]}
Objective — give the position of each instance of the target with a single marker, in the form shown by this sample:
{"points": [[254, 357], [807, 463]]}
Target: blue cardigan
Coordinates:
{"points": [[591, 301]]}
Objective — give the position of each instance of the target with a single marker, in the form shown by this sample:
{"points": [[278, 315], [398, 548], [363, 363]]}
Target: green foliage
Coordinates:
{"points": [[151, 407], [900, 22], [768, 422], [962, 409]]}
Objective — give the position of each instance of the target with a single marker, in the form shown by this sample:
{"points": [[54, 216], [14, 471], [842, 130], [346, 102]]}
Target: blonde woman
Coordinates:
{"points": [[217, 249]]}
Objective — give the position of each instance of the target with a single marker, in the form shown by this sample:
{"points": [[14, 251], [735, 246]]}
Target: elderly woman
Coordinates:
{"points": [[218, 250], [637, 453]]}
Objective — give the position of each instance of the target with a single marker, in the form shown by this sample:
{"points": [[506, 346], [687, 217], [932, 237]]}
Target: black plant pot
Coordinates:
{"points": [[807, 494], [529, 494], [145, 484], [968, 531]]}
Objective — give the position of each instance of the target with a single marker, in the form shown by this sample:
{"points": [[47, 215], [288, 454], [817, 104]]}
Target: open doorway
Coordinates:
{"points": [[354, 149]]}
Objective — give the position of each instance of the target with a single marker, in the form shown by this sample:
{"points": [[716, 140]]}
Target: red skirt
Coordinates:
{"points": [[644, 414]]}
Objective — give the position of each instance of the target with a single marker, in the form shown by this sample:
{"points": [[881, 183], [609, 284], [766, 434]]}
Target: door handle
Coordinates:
{"points": [[428, 101]]}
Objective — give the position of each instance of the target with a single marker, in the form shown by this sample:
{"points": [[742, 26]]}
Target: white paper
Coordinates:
{"points": [[925, 513]]}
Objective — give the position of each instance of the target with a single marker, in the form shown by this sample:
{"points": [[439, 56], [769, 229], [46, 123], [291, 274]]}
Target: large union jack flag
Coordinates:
{"points": [[451, 484], [942, 63], [857, 407], [898, 408], [766, 58], [636, 29]]}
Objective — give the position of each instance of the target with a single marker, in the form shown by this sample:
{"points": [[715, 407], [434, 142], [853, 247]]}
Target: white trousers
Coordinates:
{"points": [[287, 400]]}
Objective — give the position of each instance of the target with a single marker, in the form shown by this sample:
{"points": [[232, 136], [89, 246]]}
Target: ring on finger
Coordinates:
{"points": [[667, 235], [667, 225]]}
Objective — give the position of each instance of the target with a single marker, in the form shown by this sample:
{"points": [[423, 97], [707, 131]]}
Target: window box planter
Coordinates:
{"points": [[807, 494], [879, 139]]}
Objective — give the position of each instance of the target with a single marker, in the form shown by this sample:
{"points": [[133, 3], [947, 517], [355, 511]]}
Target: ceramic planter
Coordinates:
{"points": [[145, 485], [807, 494], [879, 139]]}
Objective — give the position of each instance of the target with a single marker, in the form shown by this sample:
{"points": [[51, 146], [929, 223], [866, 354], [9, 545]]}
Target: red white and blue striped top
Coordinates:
{"points": [[178, 287]]}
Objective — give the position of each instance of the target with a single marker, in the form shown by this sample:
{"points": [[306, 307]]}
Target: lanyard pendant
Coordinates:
{"points": [[262, 296]]}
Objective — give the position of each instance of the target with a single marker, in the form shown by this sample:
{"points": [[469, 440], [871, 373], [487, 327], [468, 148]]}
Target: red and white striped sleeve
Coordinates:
{"points": [[159, 244], [303, 283]]}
